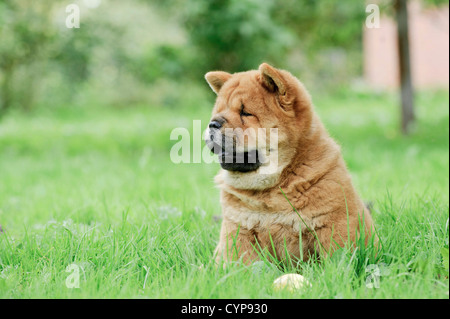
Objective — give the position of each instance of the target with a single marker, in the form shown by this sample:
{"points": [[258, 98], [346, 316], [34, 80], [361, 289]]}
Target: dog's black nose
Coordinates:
{"points": [[215, 124]]}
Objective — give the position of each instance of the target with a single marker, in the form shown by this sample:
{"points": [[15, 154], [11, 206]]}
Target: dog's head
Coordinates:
{"points": [[258, 120]]}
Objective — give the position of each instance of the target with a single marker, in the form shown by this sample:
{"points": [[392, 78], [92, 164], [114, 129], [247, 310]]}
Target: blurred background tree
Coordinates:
{"points": [[406, 86], [138, 51], [26, 34], [34, 48], [234, 35]]}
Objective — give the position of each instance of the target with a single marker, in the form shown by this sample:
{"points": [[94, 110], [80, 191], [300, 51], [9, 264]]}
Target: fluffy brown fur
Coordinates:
{"points": [[311, 172]]}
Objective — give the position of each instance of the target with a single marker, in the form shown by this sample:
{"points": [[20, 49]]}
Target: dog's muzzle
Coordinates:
{"points": [[229, 159]]}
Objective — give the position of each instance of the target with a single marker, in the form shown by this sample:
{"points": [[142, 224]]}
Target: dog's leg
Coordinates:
{"points": [[339, 234], [236, 244]]}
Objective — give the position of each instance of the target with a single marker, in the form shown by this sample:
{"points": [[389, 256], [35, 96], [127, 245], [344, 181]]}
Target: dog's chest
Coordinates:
{"points": [[264, 212], [262, 221]]}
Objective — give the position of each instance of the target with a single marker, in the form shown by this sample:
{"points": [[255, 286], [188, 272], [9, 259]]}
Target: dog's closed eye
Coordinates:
{"points": [[243, 113]]}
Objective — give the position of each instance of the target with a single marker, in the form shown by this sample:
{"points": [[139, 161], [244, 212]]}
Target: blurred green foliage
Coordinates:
{"points": [[125, 53], [33, 46], [24, 32], [236, 35], [323, 24], [164, 61]]}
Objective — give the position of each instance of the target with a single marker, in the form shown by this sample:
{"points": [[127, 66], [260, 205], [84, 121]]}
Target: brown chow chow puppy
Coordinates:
{"points": [[304, 163]]}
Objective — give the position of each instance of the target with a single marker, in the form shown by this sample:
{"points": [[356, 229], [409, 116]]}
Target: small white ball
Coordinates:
{"points": [[291, 282]]}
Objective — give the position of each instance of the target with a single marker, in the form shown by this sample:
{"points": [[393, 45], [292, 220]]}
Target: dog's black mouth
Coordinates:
{"points": [[240, 162], [236, 161]]}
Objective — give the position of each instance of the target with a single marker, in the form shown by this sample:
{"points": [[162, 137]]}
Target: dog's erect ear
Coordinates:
{"points": [[276, 82], [271, 79], [216, 79]]}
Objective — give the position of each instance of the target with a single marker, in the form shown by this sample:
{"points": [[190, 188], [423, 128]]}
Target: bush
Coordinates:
{"points": [[235, 35]]}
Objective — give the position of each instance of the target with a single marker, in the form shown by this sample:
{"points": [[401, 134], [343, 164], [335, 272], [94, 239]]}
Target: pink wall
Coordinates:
{"points": [[429, 43]]}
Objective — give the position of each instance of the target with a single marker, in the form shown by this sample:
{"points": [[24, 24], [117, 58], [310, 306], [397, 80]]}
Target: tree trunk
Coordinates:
{"points": [[6, 90], [407, 94]]}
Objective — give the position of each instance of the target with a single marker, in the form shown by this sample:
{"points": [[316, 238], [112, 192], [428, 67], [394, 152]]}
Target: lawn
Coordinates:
{"points": [[93, 188]]}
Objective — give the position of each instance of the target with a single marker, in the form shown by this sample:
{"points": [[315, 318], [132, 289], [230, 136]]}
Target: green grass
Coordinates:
{"points": [[95, 187]]}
